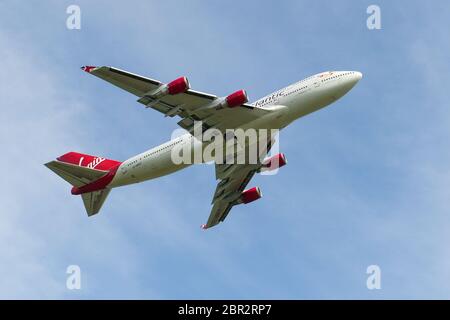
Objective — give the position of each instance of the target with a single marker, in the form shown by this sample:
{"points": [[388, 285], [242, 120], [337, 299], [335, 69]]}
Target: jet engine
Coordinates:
{"points": [[235, 99], [176, 86], [250, 195], [275, 162]]}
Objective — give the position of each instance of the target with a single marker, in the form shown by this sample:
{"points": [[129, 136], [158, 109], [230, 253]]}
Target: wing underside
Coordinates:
{"points": [[233, 179], [227, 191], [190, 106]]}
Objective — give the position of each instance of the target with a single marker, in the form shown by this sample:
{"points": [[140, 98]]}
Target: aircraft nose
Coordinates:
{"points": [[354, 78], [349, 80]]}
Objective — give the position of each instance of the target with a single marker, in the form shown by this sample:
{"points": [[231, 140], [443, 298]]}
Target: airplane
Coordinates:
{"points": [[93, 177]]}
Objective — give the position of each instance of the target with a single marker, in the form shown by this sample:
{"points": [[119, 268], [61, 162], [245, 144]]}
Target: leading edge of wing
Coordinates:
{"points": [[156, 82], [99, 71]]}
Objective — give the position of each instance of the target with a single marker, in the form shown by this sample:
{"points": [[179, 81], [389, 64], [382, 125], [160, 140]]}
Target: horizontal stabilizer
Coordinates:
{"points": [[73, 174]]}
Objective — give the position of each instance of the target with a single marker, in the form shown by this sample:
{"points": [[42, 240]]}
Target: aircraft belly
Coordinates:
{"points": [[146, 169], [161, 166]]}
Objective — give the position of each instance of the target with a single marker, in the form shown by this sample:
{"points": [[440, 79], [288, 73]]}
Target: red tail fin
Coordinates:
{"points": [[88, 161]]}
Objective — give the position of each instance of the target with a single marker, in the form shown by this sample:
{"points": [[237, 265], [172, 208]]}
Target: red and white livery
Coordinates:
{"points": [[93, 177]]}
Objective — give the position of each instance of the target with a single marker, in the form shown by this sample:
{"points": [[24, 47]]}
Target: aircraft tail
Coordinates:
{"points": [[93, 201], [89, 176]]}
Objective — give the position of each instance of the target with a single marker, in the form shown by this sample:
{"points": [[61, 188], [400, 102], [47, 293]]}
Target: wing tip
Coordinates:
{"points": [[48, 164], [88, 69]]}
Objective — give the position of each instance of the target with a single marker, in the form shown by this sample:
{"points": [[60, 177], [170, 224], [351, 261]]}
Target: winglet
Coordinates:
{"points": [[88, 69]]}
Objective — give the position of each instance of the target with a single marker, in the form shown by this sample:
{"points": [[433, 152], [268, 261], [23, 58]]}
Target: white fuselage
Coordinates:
{"points": [[286, 105]]}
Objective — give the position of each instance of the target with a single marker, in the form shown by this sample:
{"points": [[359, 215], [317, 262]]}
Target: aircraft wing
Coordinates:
{"points": [[233, 179], [189, 105], [228, 192]]}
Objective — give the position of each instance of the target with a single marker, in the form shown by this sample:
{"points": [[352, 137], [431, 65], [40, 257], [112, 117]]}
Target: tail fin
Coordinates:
{"points": [[93, 201], [89, 172], [88, 161]]}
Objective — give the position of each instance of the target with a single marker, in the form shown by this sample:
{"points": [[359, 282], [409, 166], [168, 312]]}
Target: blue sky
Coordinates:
{"points": [[367, 180]]}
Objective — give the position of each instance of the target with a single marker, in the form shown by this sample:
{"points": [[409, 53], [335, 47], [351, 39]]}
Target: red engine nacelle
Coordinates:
{"points": [[177, 86], [275, 162], [236, 99], [250, 195]]}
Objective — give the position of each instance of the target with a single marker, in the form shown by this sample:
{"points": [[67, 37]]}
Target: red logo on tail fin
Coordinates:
{"points": [[88, 161]]}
